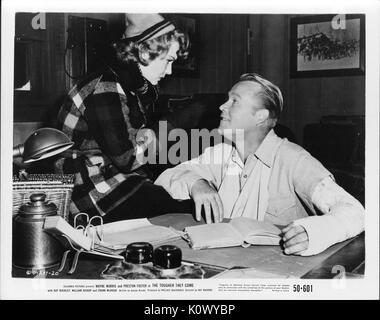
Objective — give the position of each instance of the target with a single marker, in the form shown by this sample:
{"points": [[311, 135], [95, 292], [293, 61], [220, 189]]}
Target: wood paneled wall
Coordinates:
{"points": [[223, 56], [306, 100], [46, 73], [47, 57]]}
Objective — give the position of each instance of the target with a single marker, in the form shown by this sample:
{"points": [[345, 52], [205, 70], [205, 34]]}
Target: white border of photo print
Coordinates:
{"points": [[40, 288]]}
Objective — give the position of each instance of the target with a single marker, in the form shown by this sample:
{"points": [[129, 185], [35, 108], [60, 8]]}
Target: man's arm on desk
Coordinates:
{"points": [[179, 180], [343, 218], [196, 179]]}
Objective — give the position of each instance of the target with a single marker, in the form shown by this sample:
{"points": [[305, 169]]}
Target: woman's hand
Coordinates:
{"points": [[147, 146], [205, 195]]}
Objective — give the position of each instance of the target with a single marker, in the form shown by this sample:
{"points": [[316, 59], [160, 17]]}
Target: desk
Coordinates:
{"points": [[269, 260]]}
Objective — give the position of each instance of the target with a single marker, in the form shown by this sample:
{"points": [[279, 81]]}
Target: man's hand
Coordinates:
{"points": [[295, 239], [205, 195]]}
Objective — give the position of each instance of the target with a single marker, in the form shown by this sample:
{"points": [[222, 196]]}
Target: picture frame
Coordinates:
{"points": [[189, 66], [327, 45]]}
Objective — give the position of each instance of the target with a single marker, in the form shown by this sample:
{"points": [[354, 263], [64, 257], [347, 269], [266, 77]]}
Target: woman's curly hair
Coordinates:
{"points": [[131, 51]]}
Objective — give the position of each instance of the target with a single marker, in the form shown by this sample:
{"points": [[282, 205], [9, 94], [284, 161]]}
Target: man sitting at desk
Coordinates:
{"points": [[258, 175]]}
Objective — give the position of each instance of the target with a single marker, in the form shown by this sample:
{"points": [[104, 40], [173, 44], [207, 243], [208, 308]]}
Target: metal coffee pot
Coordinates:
{"points": [[32, 247]]}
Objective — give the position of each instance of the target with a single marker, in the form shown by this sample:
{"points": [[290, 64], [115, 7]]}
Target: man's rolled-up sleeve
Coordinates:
{"points": [[343, 217], [179, 180]]}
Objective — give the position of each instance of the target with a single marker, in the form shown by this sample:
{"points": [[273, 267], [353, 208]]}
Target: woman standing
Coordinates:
{"points": [[103, 114]]}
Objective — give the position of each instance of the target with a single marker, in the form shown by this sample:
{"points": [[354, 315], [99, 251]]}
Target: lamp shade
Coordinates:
{"points": [[41, 144]]}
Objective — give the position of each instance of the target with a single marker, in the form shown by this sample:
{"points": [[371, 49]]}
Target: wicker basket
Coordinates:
{"points": [[57, 187]]}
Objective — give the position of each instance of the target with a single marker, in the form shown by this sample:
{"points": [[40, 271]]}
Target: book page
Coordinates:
{"points": [[215, 235], [58, 226], [123, 225], [119, 238], [250, 229]]}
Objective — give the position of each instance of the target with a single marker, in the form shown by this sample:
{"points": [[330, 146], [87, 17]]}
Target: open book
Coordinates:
{"points": [[237, 232], [117, 235], [110, 237]]}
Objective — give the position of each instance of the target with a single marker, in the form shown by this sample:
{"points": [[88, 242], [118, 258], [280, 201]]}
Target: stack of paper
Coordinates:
{"points": [[112, 237], [117, 235]]}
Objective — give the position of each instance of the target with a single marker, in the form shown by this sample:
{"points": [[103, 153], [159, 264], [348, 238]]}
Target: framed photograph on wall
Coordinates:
{"points": [[327, 45]]}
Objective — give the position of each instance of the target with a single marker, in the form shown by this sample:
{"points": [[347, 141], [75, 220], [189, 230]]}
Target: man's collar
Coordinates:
{"points": [[267, 148], [265, 152]]}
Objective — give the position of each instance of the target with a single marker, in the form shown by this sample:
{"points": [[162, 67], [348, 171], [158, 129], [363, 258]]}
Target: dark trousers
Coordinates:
{"points": [[149, 201]]}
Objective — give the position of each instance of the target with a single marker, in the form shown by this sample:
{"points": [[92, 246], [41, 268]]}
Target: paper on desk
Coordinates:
{"points": [[117, 235]]}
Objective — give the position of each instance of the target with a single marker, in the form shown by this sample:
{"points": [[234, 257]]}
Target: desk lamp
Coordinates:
{"points": [[41, 144]]}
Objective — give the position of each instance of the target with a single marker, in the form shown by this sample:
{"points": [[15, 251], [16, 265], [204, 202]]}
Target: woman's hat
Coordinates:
{"points": [[141, 27]]}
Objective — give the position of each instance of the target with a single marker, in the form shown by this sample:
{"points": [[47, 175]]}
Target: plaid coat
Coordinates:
{"points": [[102, 115]]}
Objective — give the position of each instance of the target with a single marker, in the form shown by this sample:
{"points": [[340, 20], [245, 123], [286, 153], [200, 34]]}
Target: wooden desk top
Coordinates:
{"points": [[268, 260]]}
